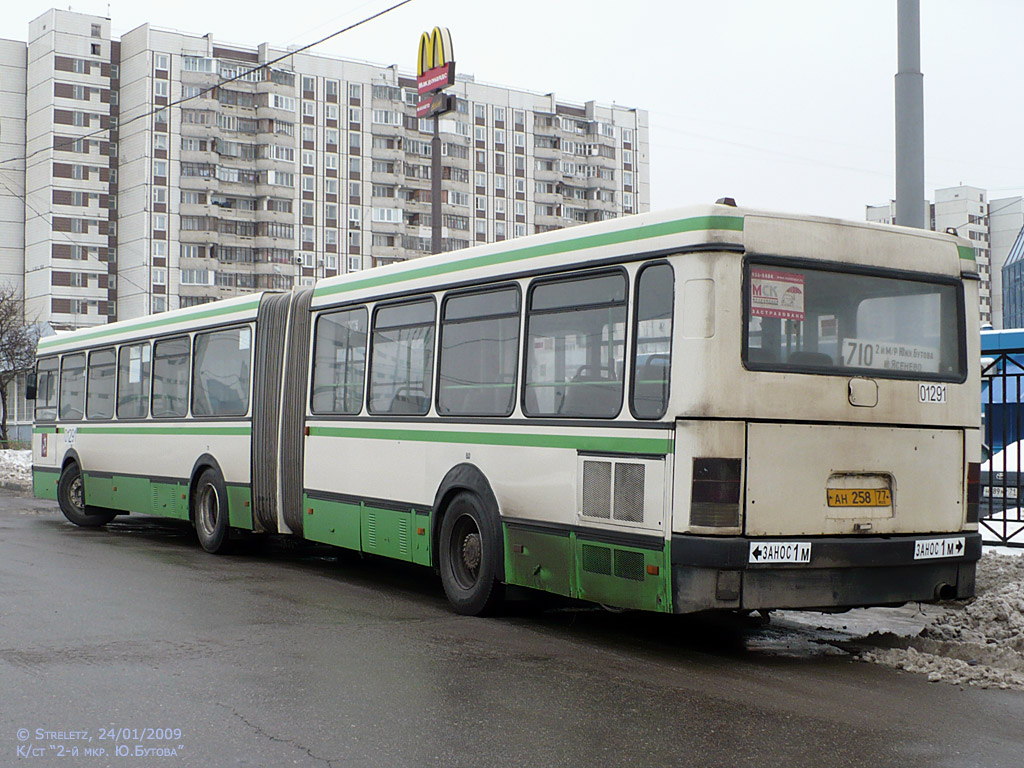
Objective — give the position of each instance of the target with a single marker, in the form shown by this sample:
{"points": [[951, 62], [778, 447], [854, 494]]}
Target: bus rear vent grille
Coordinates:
{"points": [[597, 559], [629, 565], [597, 489], [629, 492], [608, 561], [624, 502], [371, 531], [403, 537]]}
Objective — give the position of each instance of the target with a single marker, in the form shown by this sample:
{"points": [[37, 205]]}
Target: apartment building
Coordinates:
{"points": [[964, 209], [13, 59], [70, 195], [167, 170], [1006, 225]]}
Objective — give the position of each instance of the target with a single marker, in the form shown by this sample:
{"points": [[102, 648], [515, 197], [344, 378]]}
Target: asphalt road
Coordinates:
{"points": [[292, 656]]}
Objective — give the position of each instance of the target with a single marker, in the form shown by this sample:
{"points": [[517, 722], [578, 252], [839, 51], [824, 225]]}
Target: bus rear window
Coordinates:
{"points": [[819, 321]]}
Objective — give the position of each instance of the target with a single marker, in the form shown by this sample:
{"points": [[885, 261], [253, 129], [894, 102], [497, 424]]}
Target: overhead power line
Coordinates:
{"points": [[238, 76]]}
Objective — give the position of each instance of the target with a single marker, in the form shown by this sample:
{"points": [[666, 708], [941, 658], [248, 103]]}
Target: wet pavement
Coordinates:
{"points": [[292, 655]]}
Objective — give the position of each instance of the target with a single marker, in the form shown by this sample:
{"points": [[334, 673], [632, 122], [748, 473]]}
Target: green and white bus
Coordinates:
{"points": [[710, 408]]}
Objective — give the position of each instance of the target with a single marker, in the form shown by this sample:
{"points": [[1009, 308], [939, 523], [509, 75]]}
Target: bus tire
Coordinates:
{"points": [[210, 511], [470, 552], [71, 498]]}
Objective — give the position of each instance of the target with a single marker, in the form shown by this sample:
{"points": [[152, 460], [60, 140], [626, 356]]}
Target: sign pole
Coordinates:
{"points": [[435, 190]]}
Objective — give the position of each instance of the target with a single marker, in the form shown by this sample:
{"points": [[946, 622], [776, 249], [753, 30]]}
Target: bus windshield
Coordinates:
{"points": [[817, 321]]}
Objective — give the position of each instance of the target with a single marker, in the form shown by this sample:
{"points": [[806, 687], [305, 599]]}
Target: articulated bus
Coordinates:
{"points": [[709, 408]]}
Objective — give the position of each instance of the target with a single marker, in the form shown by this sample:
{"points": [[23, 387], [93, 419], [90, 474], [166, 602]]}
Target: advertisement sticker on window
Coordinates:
{"points": [[776, 294]]}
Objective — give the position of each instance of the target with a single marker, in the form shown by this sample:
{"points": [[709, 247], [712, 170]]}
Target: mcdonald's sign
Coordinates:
{"points": [[436, 64]]}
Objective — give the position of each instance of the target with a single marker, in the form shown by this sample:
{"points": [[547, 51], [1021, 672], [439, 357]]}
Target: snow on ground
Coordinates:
{"points": [[974, 642], [16, 469]]}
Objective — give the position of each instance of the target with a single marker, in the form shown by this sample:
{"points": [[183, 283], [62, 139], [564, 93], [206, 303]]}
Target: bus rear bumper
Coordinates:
{"points": [[730, 573]]}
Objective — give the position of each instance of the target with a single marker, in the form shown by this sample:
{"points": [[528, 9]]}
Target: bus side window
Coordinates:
{"points": [[339, 362], [478, 354], [99, 401], [46, 389], [402, 358], [170, 377], [220, 378], [72, 387], [133, 370], [576, 335], [652, 361]]}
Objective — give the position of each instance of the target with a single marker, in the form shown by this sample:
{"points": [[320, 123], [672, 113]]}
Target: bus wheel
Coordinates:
{"points": [[71, 498], [470, 548], [210, 511]]}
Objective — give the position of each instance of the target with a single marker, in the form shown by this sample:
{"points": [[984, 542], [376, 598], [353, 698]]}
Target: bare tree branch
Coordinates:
{"points": [[17, 348]]}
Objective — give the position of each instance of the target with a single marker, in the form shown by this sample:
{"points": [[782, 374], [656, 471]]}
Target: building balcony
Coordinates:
{"points": [[547, 153], [601, 205], [553, 175], [388, 251], [596, 182], [382, 153]]}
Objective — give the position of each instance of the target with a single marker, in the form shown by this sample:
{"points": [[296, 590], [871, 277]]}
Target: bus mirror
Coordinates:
{"points": [[30, 386]]}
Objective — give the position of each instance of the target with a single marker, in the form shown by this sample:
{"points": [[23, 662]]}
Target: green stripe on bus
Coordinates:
{"points": [[154, 323], [695, 224], [966, 252], [44, 430], [651, 445], [164, 430]]}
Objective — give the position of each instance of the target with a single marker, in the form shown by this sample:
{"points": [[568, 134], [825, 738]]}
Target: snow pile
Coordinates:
{"points": [[977, 642], [16, 469]]}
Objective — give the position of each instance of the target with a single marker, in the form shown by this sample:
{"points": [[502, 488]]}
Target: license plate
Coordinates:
{"points": [[859, 497]]}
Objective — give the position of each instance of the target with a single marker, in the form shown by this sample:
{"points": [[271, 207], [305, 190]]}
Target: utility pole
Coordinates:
{"points": [[909, 117]]}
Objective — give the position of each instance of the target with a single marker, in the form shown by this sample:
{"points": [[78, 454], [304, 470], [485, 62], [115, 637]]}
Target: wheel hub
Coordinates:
{"points": [[75, 494], [471, 551]]}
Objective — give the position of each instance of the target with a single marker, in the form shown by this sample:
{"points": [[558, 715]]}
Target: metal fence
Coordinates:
{"points": [[1002, 391]]}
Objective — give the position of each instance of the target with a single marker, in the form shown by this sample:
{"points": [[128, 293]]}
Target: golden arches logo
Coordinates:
{"points": [[435, 50]]}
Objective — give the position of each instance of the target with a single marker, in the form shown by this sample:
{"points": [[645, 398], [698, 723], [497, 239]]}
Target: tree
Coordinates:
{"points": [[17, 349]]}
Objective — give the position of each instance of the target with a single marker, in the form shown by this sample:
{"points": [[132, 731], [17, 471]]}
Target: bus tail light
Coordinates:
{"points": [[715, 494], [973, 490]]}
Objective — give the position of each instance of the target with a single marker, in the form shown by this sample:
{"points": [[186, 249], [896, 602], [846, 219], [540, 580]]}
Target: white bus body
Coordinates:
{"points": [[707, 408]]}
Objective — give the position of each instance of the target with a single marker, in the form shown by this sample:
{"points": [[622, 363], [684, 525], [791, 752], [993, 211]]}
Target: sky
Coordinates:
{"points": [[780, 104]]}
